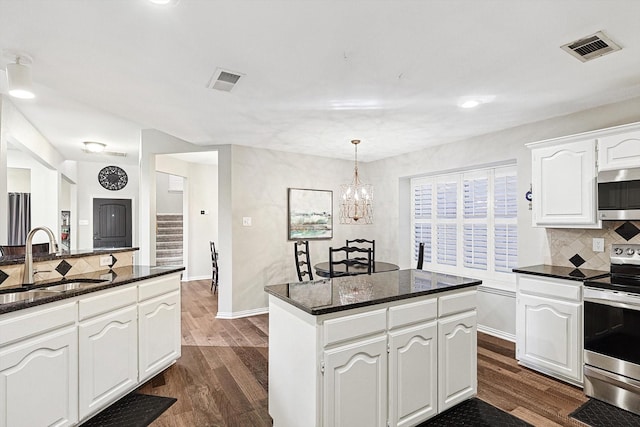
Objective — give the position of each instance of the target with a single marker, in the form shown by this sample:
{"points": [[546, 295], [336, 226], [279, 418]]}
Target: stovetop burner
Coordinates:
{"points": [[625, 270]]}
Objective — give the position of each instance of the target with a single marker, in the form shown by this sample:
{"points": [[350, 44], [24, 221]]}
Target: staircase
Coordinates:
{"points": [[169, 239]]}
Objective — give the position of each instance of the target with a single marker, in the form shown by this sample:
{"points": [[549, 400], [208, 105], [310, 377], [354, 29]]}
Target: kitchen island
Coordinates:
{"points": [[392, 348], [75, 345]]}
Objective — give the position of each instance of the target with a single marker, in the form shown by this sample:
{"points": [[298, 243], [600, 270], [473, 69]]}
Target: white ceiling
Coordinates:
{"points": [[318, 73]]}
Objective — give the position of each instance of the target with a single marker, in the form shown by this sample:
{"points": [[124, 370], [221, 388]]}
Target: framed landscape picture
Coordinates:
{"points": [[310, 215]]}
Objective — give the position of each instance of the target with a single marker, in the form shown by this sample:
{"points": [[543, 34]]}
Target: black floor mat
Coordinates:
{"points": [[476, 413], [133, 410], [599, 414]]}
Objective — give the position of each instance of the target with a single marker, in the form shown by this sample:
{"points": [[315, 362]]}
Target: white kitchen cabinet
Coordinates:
{"points": [[39, 368], [355, 384], [372, 366], [413, 374], [108, 348], [549, 327], [619, 151], [159, 325], [564, 184]]}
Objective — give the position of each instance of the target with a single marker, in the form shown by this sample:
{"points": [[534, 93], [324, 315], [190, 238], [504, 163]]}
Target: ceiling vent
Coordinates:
{"points": [[224, 80], [591, 47]]}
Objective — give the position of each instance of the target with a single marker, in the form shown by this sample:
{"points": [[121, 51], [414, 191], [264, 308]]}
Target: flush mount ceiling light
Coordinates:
{"points": [[94, 147], [165, 2], [470, 103], [356, 204], [19, 75]]}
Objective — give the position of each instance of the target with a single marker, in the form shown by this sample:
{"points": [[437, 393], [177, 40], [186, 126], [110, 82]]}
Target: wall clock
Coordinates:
{"points": [[113, 178]]}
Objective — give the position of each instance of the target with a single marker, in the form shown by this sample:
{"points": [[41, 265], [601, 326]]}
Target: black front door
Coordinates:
{"points": [[111, 223]]}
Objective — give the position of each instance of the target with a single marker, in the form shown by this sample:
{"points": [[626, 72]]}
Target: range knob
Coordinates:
{"points": [[630, 251], [617, 251]]}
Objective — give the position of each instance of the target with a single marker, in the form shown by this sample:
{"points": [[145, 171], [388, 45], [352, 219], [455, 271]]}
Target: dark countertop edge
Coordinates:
{"points": [[19, 259], [327, 310], [525, 270], [21, 305]]}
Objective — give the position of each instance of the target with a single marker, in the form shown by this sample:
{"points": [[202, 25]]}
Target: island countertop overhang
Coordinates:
{"points": [[325, 296]]}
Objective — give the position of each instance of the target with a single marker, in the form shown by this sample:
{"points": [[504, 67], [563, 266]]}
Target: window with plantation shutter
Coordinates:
{"points": [[467, 221]]}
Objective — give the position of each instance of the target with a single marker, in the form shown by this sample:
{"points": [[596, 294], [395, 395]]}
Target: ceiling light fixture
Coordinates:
{"points": [[94, 147], [19, 76], [470, 103], [165, 2], [356, 204]]}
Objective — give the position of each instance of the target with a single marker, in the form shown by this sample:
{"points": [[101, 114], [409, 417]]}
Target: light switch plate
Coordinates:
{"points": [[598, 244], [246, 221], [105, 261]]}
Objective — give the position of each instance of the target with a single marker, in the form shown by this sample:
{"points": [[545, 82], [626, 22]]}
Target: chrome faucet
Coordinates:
{"points": [[27, 275]]}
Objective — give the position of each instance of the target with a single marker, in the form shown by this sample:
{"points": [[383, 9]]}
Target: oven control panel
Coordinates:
{"points": [[625, 253]]}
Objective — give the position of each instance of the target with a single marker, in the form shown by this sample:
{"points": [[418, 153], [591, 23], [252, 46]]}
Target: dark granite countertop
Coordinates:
{"points": [[568, 273], [89, 282], [344, 293], [19, 259]]}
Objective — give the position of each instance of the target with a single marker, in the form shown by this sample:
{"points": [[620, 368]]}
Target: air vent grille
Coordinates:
{"points": [[591, 47], [224, 80]]}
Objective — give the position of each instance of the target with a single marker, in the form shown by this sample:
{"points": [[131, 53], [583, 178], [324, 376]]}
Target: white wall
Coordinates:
{"points": [[167, 201], [18, 180], [88, 188]]}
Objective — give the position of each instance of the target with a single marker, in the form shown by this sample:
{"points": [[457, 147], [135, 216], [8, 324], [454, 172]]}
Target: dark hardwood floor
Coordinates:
{"points": [[221, 378]]}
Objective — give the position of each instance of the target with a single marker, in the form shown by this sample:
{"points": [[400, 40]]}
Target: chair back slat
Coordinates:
{"points": [[371, 244], [348, 261], [302, 259], [214, 267]]}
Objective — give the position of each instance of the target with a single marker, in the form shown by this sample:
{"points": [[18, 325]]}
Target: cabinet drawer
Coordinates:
{"points": [[154, 287], [557, 288], [37, 322], [456, 303], [414, 312], [354, 326], [110, 300]]}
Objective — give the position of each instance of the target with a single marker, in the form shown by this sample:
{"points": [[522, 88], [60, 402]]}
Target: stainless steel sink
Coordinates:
{"points": [[70, 286], [7, 298]]}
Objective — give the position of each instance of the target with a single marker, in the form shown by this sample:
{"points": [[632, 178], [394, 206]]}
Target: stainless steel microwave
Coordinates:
{"points": [[619, 194]]}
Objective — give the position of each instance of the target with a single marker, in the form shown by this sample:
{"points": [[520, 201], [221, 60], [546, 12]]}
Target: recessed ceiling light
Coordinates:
{"points": [[165, 2], [470, 103]]}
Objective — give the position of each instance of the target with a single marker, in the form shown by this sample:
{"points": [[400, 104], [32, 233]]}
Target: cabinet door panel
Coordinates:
{"points": [[159, 331], [355, 384], [40, 378], [413, 374], [549, 336], [108, 358], [564, 184], [619, 151], [457, 358]]}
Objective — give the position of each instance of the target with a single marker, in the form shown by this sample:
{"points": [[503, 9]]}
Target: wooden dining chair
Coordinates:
{"points": [[368, 243], [303, 261], [214, 267], [420, 256], [363, 262]]}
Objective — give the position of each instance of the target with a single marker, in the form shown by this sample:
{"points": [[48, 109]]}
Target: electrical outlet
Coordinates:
{"points": [[598, 244], [246, 221], [105, 261]]}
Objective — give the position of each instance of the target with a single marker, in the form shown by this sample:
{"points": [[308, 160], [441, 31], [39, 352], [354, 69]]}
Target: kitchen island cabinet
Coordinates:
{"points": [[364, 350]]}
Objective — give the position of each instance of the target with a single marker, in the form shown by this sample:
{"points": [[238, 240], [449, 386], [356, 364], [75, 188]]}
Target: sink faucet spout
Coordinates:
{"points": [[27, 276]]}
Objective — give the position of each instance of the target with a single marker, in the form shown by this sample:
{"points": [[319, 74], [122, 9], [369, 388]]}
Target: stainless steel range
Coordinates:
{"points": [[612, 331]]}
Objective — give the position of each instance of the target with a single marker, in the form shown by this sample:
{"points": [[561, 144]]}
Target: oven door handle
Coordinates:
{"points": [[619, 380], [613, 303]]}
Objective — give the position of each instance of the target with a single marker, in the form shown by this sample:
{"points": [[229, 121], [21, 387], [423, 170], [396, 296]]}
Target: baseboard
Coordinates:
{"points": [[239, 314], [496, 333], [190, 278]]}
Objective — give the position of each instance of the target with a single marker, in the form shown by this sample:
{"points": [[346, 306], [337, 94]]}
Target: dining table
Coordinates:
{"points": [[322, 269]]}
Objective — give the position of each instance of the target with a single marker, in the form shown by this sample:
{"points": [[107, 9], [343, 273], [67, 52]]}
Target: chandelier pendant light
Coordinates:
{"points": [[356, 203]]}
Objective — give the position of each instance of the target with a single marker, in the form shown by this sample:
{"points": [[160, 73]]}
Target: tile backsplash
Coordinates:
{"points": [[571, 247]]}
